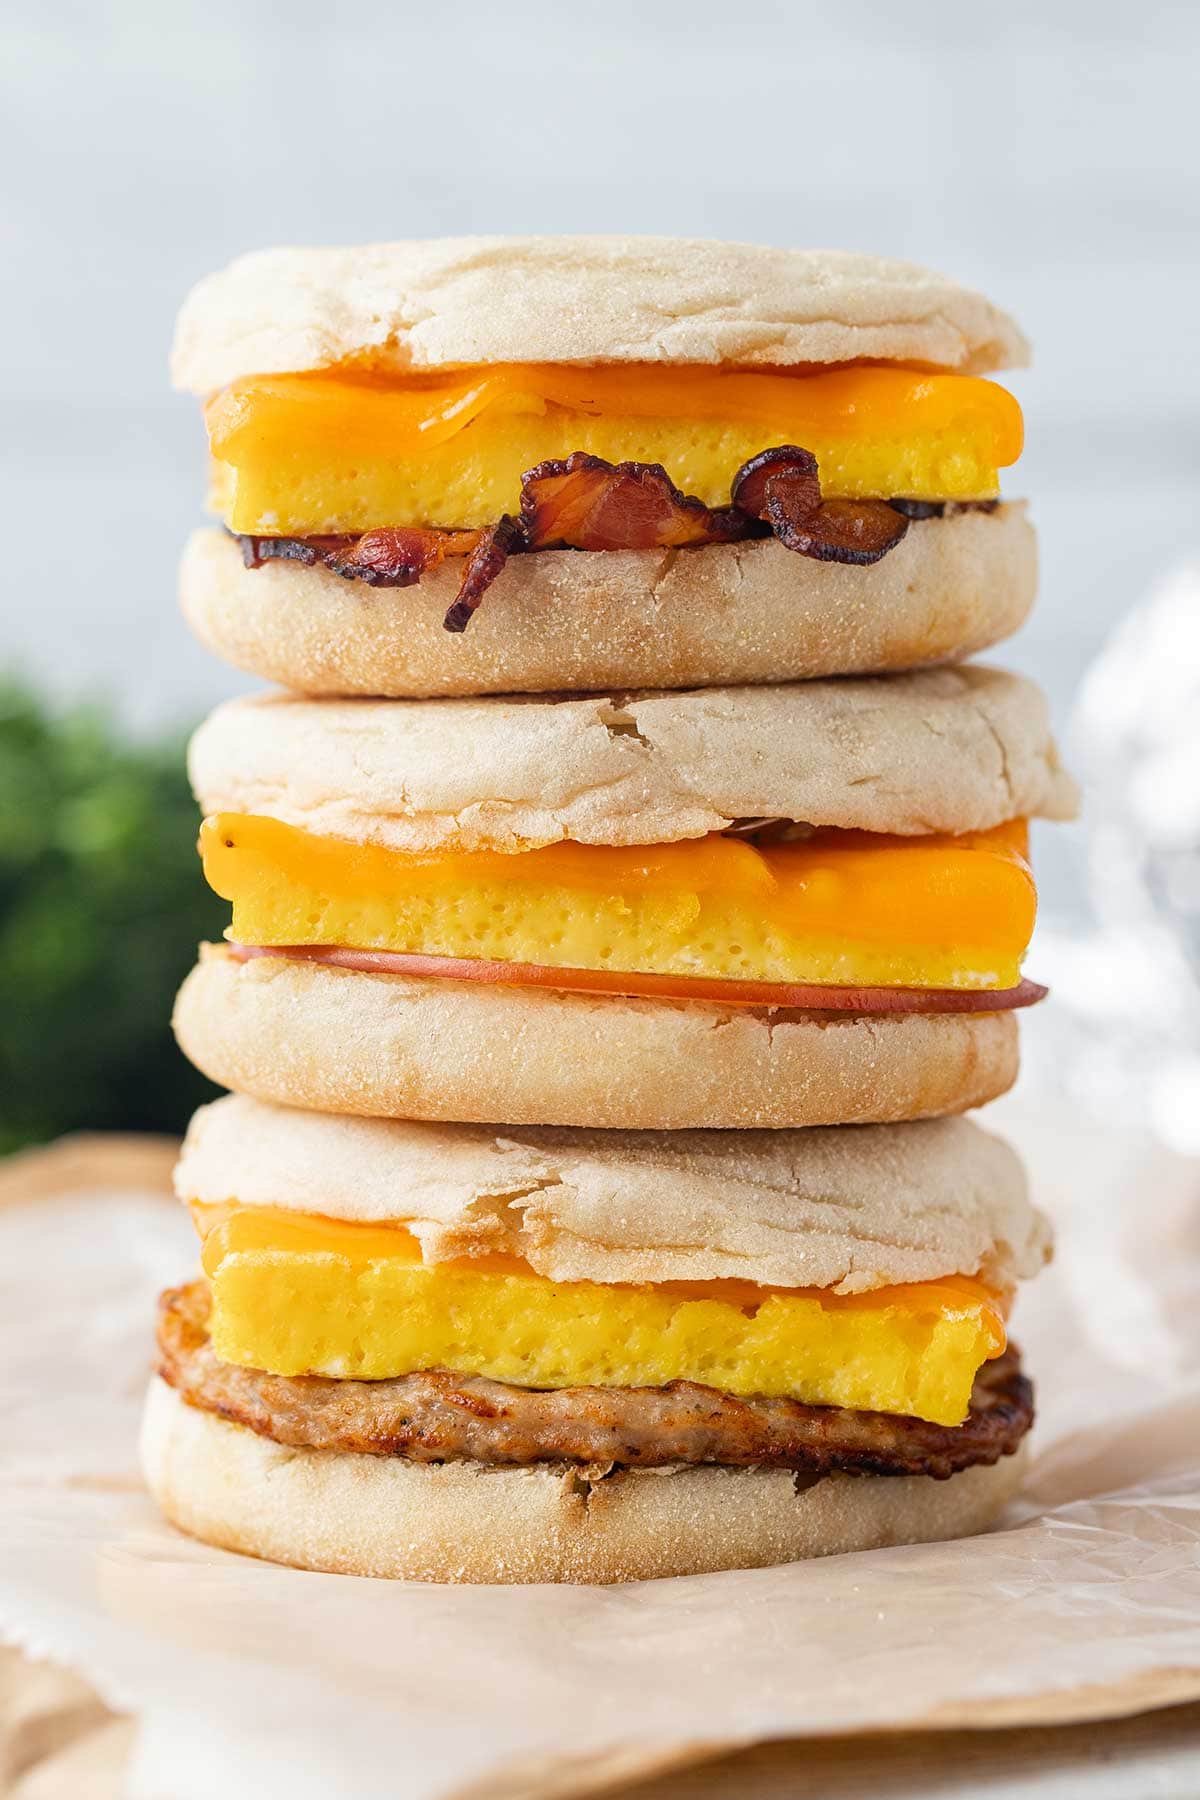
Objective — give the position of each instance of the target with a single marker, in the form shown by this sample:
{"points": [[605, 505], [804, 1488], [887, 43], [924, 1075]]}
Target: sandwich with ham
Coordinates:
{"points": [[805, 904]]}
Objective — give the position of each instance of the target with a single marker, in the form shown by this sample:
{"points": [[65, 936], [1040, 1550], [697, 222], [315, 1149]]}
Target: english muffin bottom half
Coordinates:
{"points": [[456, 1353], [780, 906], [518, 465]]}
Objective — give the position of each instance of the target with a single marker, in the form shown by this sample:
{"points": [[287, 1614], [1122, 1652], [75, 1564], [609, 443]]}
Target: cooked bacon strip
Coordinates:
{"points": [[258, 550], [842, 531], [483, 565], [782, 487], [396, 557], [941, 509], [772, 995], [399, 557], [585, 503], [783, 481]]}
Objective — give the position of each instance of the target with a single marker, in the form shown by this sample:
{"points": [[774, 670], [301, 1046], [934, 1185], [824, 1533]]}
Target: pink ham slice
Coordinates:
{"points": [[659, 987]]}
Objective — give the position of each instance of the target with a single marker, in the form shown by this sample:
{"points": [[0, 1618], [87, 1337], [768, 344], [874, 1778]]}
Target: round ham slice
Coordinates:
{"points": [[768, 994]]}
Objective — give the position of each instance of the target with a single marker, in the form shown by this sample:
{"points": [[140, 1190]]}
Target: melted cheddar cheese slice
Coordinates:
{"points": [[840, 908], [297, 1294], [300, 455]]}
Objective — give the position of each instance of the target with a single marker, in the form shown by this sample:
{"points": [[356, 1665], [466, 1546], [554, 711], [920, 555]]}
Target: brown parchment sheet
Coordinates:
{"points": [[1084, 1605]]}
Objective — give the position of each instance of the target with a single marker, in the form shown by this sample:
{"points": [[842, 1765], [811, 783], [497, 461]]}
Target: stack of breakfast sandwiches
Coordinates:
{"points": [[630, 884]]}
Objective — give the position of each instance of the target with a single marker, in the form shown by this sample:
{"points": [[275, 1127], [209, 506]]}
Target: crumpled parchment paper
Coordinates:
{"points": [[252, 1680]]}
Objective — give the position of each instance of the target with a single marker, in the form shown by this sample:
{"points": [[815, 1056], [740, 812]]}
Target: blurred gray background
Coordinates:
{"points": [[1048, 154]]}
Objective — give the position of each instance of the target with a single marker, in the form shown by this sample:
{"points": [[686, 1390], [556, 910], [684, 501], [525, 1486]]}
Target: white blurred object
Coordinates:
{"points": [[1128, 989]]}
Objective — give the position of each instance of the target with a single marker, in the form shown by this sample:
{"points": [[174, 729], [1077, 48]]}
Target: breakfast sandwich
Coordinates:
{"points": [[451, 1352], [804, 904], [492, 465]]}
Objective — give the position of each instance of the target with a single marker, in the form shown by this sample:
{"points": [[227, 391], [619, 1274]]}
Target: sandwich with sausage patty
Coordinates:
{"points": [[445, 1352]]}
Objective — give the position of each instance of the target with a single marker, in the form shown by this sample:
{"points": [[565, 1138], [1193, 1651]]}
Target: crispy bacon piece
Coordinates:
{"points": [[491, 552], [941, 509], [782, 487], [585, 503], [778, 484], [258, 550], [844, 531], [396, 557]]}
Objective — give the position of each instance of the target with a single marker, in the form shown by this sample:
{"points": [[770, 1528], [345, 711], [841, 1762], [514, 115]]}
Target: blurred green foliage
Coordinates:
{"points": [[102, 903]]}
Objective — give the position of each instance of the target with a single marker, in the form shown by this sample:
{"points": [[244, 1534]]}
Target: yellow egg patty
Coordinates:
{"points": [[295, 1294], [840, 908]]}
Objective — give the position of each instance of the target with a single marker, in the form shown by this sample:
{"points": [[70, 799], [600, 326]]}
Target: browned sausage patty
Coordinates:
{"points": [[436, 1416]]}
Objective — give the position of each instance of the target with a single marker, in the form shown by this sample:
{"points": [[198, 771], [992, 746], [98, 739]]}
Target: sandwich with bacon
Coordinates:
{"points": [[496, 465], [444, 1352]]}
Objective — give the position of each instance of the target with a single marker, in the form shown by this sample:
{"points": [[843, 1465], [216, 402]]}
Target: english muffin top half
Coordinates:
{"points": [[490, 465]]}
